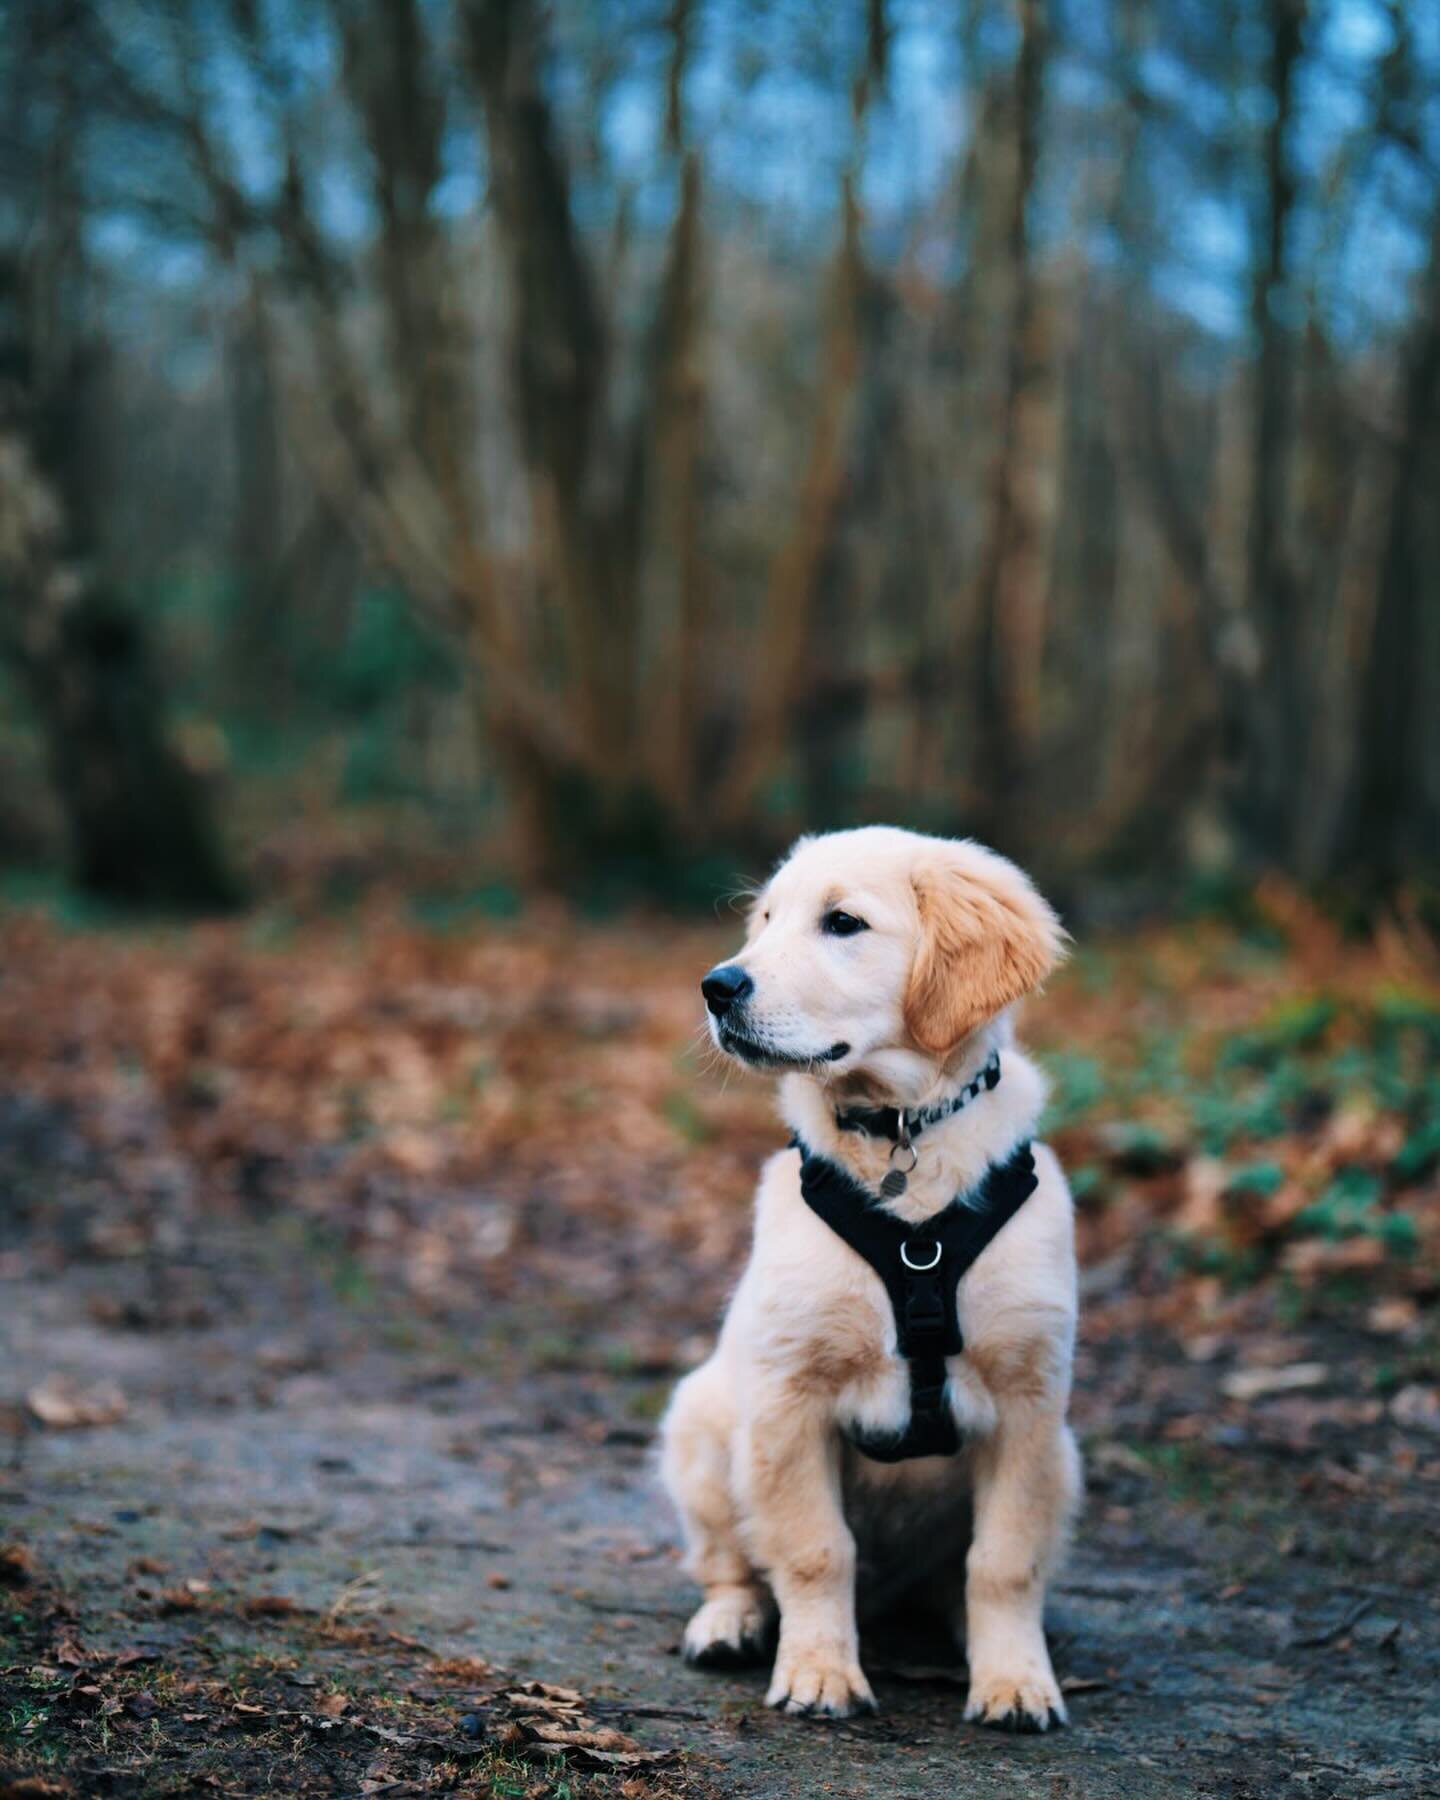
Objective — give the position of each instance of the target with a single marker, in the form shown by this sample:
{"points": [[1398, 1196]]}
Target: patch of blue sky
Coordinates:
{"points": [[1201, 293], [787, 149], [1209, 258], [917, 130], [1178, 87], [461, 187], [176, 265], [1384, 251], [1360, 30], [775, 130], [633, 132], [767, 103], [1080, 82], [775, 135], [343, 210], [240, 117]]}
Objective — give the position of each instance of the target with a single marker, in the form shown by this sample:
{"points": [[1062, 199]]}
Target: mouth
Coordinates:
{"points": [[765, 1056]]}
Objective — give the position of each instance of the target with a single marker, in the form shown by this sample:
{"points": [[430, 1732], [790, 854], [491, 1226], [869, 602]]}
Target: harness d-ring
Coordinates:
{"points": [[919, 1267]]}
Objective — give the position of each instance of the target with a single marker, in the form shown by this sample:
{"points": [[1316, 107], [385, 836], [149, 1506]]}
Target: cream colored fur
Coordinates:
{"points": [[778, 1510]]}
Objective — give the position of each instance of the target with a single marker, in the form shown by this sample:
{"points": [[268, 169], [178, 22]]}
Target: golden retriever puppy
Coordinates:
{"points": [[885, 1409]]}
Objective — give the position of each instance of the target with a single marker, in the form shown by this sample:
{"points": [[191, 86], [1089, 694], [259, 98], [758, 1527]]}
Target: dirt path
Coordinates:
{"points": [[359, 1501]]}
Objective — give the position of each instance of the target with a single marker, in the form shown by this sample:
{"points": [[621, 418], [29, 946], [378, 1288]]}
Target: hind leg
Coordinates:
{"points": [[734, 1623]]}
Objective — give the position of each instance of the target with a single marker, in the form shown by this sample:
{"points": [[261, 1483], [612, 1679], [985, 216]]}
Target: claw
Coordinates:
{"points": [[1017, 1717], [854, 1702]]}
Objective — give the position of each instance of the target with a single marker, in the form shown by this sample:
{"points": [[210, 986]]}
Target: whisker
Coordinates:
{"points": [[741, 896]]}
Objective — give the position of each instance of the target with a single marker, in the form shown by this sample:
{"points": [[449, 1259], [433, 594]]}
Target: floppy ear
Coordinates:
{"points": [[986, 938]]}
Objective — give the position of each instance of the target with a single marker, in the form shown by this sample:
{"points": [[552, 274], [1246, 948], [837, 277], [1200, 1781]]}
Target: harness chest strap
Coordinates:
{"points": [[921, 1266]]}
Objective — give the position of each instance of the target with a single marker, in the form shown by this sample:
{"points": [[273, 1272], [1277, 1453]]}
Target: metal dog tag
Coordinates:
{"points": [[895, 1180]]}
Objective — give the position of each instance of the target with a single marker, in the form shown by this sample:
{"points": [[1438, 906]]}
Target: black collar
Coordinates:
{"points": [[885, 1121]]}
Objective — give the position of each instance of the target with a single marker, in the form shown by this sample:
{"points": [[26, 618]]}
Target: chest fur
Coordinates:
{"points": [[851, 1355]]}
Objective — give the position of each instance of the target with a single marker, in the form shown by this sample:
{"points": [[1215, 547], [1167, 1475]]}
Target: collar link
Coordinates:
{"points": [[901, 1124]]}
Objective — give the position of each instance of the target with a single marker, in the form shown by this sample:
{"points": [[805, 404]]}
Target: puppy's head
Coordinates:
{"points": [[879, 941]]}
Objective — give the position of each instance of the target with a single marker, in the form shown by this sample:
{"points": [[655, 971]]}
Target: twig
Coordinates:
{"points": [[1317, 1639], [622, 1709], [363, 1591]]}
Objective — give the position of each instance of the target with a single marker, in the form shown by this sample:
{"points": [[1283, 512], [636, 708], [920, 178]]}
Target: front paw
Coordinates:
{"points": [[728, 1632], [1026, 1701], [819, 1683]]}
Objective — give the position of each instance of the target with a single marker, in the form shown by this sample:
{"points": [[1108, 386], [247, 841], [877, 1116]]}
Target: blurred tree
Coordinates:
{"points": [[1067, 487], [1391, 825], [1263, 681], [138, 819], [1013, 570]]}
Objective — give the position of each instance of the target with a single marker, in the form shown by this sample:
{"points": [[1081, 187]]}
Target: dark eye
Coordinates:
{"points": [[842, 924]]}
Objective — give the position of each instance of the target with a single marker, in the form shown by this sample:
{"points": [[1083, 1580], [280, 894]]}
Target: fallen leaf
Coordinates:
{"points": [[1417, 1407], [241, 1533], [1393, 1316], [1109, 1454], [270, 1606], [460, 1668], [588, 1758], [602, 1737], [1311, 1257], [1254, 1384], [63, 1405], [544, 1697], [69, 1652], [332, 1705]]}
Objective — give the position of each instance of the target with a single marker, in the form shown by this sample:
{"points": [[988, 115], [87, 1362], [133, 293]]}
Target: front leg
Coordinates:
{"points": [[1027, 1483], [801, 1540]]}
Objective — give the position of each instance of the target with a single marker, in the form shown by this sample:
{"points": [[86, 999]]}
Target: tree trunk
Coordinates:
{"points": [[1014, 564], [1265, 713], [263, 601], [1390, 831], [136, 815]]}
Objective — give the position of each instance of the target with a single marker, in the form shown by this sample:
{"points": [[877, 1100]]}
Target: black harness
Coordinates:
{"points": [[921, 1266]]}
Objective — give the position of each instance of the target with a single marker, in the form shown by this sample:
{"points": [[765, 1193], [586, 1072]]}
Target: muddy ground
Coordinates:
{"points": [[345, 1268], [325, 1516]]}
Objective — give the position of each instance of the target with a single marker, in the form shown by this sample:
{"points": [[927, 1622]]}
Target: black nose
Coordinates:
{"points": [[725, 987]]}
